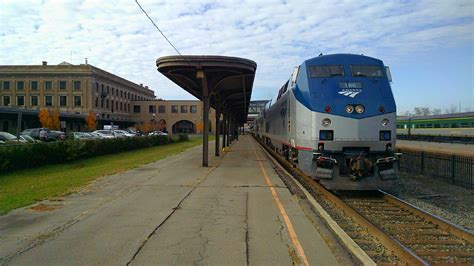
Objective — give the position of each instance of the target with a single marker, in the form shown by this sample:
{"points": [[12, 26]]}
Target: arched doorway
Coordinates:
{"points": [[183, 126]]}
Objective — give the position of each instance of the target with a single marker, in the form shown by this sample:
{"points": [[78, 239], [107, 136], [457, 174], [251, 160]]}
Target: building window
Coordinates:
{"points": [[77, 101], [128, 97], [20, 100], [129, 107], [184, 108], [34, 85], [62, 85], [48, 85], [108, 90], [112, 91], [48, 100], [107, 104], [6, 85], [96, 102], [77, 85], [161, 109], [62, 100], [152, 109], [193, 109], [97, 87], [6, 100], [121, 94], [121, 106], [136, 108], [34, 100], [116, 106], [20, 85], [174, 108]]}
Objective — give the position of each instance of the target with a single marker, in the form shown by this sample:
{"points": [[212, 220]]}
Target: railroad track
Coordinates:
{"points": [[388, 229], [430, 238]]}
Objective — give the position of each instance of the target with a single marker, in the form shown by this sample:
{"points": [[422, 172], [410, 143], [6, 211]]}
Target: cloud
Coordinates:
{"points": [[116, 35]]}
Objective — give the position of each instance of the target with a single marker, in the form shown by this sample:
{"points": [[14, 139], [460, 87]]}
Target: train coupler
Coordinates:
{"points": [[325, 166], [386, 169]]}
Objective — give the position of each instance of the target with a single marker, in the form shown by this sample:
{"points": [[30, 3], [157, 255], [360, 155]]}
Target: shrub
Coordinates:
{"points": [[13, 157]]}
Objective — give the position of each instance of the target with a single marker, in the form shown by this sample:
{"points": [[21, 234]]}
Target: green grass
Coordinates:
{"points": [[24, 187]]}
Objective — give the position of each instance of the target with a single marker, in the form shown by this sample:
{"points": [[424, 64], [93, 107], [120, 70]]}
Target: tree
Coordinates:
{"points": [[44, 118], [199, 127], [417, 111], [436, 111], [144, 127], [54, 120], [91, 121], [451, 110]]}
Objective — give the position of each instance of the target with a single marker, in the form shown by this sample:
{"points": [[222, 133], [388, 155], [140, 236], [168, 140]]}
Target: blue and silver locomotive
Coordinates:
{"points": [[335, 119]]}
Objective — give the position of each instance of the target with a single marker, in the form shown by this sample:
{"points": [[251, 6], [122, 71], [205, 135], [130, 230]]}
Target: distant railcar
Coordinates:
{"points": [[335, 119], [448, 127]]}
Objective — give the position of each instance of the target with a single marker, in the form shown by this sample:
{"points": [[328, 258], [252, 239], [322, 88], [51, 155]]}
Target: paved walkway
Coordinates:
{"points": [[172, 212]]}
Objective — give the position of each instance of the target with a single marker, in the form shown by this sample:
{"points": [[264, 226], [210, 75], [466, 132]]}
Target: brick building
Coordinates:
{"points": [[73, 90]]}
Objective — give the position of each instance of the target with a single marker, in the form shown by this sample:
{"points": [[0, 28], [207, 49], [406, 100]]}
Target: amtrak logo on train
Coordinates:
{"points": [[350, 92]]}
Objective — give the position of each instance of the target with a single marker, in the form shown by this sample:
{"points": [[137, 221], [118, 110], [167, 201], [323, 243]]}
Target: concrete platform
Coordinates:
{"points": [[435, 147], [172, 212]]}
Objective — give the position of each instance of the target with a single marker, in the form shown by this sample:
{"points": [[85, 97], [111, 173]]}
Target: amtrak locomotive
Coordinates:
{"points": [[335, 119]]}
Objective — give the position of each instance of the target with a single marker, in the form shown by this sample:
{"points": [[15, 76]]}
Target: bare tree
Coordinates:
{"points": [[436, 111], [451, 110], [468, 109], [417, 111], [425, 111]]}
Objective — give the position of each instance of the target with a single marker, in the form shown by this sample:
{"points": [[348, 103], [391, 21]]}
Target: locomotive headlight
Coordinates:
{"points": [[360, 109], [326, 122], [349, 109], [385, 122]]}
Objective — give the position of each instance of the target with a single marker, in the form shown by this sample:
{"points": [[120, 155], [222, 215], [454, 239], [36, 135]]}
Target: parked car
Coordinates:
{"points": [[96, 135], [157, 133], [50, 135], [82, 135], [122, 133], [106, 134], [10, 138], [57, 135], [28, 139]]}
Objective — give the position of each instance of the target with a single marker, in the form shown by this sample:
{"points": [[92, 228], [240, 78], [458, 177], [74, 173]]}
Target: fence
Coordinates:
{"points": [[455, 169]]}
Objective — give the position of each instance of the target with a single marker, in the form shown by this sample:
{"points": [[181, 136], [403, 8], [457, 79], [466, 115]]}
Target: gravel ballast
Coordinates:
{"points": [[434, 195]]}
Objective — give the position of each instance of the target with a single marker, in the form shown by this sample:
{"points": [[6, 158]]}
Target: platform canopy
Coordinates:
{"points": [[223, 82], [229, 79]]}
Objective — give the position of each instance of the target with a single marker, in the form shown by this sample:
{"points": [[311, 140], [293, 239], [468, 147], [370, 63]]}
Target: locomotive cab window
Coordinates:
{"points": [[367, 71], [326, 71]]}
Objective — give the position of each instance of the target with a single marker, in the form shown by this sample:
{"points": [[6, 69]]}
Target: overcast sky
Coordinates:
{"points": [[429, 45]]}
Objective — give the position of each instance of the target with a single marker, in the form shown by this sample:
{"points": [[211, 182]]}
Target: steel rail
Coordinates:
{"points": [[392, 244]]}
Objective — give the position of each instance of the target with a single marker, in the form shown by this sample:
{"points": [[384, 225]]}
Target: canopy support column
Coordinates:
{"points": [[227, 130], [205, 122], [224, 122], [217, 129]]}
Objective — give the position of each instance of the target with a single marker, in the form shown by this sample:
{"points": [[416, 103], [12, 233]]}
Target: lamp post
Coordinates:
{"points": [[154, 122], [97, 120]]}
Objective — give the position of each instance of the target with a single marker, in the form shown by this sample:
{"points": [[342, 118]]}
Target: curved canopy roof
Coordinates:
{"points": [[229, 79]]}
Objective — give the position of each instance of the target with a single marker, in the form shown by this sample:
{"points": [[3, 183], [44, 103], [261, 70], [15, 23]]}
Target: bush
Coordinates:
{"points": [[13, 157]]}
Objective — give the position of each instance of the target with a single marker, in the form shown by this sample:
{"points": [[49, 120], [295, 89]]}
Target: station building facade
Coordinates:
{"points": [[173, 116], [73, 90]]}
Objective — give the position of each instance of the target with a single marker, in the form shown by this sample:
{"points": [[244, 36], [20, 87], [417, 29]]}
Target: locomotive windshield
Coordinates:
{"points": [[367, 71], [326, 71]]}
